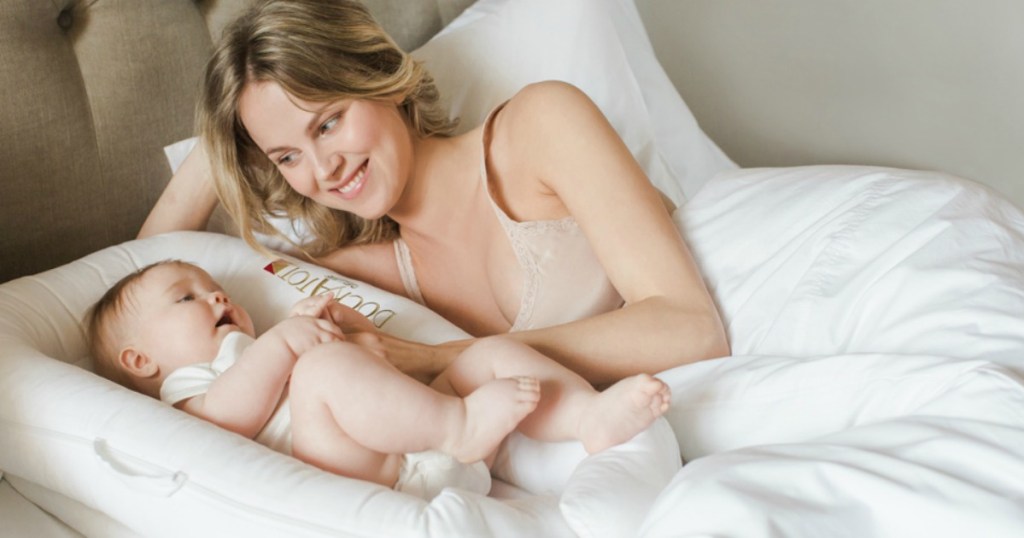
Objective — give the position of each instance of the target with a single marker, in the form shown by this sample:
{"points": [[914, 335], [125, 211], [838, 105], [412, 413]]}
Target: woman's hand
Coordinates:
{"points": [[416, 359]]}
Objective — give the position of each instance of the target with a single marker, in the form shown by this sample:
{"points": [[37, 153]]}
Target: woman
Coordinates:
{"points": [[538, 222]]}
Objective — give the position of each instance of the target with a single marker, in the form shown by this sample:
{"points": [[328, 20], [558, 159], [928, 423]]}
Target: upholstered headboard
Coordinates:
{"points": [[92, 90]]}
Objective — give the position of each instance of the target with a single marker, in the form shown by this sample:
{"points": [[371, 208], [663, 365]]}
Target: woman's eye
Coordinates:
{"points": [[286, 159], [326, 126]]}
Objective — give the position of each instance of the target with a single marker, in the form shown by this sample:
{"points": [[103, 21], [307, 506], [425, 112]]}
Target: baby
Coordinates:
{"points": [[170, 331]]}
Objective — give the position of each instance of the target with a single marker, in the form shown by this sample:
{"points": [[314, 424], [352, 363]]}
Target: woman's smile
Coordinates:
{"points": [[353, 185]]}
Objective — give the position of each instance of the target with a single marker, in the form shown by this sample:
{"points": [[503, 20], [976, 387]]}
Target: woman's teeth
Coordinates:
{"points": [[355, 183]]}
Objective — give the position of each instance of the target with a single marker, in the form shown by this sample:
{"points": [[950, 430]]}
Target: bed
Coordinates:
{"points": [[875, 312]]}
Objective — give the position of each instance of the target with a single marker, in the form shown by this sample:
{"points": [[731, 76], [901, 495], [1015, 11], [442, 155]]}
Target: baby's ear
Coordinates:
{"points": [[136, 363]]}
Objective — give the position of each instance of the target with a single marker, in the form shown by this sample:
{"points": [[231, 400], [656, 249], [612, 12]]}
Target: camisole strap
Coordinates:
{"points": [[408, 274]]}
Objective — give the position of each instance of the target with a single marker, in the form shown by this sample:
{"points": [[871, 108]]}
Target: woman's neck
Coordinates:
{"points": [[443, 179]]}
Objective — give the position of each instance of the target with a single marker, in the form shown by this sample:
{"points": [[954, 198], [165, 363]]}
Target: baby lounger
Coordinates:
{"points": [[81, 446]]}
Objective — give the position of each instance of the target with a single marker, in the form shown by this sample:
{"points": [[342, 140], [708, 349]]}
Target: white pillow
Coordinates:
{"points": [[496, 47], [80, 441]]}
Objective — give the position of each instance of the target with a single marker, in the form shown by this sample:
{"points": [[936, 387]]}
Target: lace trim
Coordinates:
{"points": [[529, 264]]}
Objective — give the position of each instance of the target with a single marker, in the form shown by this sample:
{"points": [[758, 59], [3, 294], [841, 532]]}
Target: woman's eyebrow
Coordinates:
{"points": [[314, 122]]}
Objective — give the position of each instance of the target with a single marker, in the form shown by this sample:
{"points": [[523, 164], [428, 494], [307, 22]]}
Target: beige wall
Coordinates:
{"points": [[932, 84]]}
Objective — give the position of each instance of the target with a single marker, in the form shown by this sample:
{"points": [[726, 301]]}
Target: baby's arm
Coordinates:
{"points": [[243, 398]]}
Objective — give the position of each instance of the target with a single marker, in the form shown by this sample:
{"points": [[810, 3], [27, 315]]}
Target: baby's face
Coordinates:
{"points": [[182, 315]]}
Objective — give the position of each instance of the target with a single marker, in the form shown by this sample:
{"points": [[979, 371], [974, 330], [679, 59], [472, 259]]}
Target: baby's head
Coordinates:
{"points": [[164, 316]]}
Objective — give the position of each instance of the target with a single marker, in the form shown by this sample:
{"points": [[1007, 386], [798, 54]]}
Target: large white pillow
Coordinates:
{"points": [[496, 47]]}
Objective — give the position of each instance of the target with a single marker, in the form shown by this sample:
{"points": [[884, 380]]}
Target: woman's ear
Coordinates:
{"points": [[137, 363], [398, 98]]}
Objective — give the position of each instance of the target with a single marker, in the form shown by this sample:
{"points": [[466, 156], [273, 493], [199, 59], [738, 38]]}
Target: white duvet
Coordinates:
{"points": [[875, 318], [877, 322]]}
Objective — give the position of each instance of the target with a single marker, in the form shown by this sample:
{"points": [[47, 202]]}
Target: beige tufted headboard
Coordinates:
{"points": [[92, 90]]}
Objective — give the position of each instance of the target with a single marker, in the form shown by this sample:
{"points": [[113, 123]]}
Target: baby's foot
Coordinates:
{"points": [[492, 412], [622, 411]]}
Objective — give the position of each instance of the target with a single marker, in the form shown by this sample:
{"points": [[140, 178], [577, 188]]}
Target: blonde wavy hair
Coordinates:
{"points": [[320, 51]]}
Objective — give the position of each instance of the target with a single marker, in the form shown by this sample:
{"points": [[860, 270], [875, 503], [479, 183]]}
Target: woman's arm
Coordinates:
{"points": [[578, 164], [188, 200]]}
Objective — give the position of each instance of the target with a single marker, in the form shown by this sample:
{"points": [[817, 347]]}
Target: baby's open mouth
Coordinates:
{"points": [[225, 320]]}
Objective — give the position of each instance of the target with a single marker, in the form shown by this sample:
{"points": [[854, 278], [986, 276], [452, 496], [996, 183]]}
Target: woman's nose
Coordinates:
{"points": [[325, 165]]}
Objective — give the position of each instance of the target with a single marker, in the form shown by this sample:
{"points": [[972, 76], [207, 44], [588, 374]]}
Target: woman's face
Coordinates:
{"points": [[352, 155]]}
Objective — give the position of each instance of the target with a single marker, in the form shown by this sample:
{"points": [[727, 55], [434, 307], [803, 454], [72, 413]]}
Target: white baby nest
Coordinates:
{"points": [[93, 447]]}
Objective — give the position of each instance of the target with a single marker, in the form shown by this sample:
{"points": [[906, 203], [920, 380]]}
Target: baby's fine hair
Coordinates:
{"points": [[319, 51], [102, 318]]}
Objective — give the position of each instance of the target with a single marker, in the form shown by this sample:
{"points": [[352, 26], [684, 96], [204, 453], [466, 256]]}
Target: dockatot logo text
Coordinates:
{"points": [[311, 284]]}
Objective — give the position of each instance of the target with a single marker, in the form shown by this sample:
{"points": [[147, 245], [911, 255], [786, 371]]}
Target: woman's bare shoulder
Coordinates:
{"points": [[526, 138], [547, 100], [542, 115], [554, 125], [545, 90]]}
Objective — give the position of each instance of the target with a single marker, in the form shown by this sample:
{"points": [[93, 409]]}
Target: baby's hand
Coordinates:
{"points": [[302, 333], [327, 308], [314, 307]]}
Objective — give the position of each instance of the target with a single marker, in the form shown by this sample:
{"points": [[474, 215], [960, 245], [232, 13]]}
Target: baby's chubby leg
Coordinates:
{"points": [[570, 408], [318, 440], [341, 391]]}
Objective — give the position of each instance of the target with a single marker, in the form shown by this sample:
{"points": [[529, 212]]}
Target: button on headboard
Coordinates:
{"points": [[92, 90]]}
